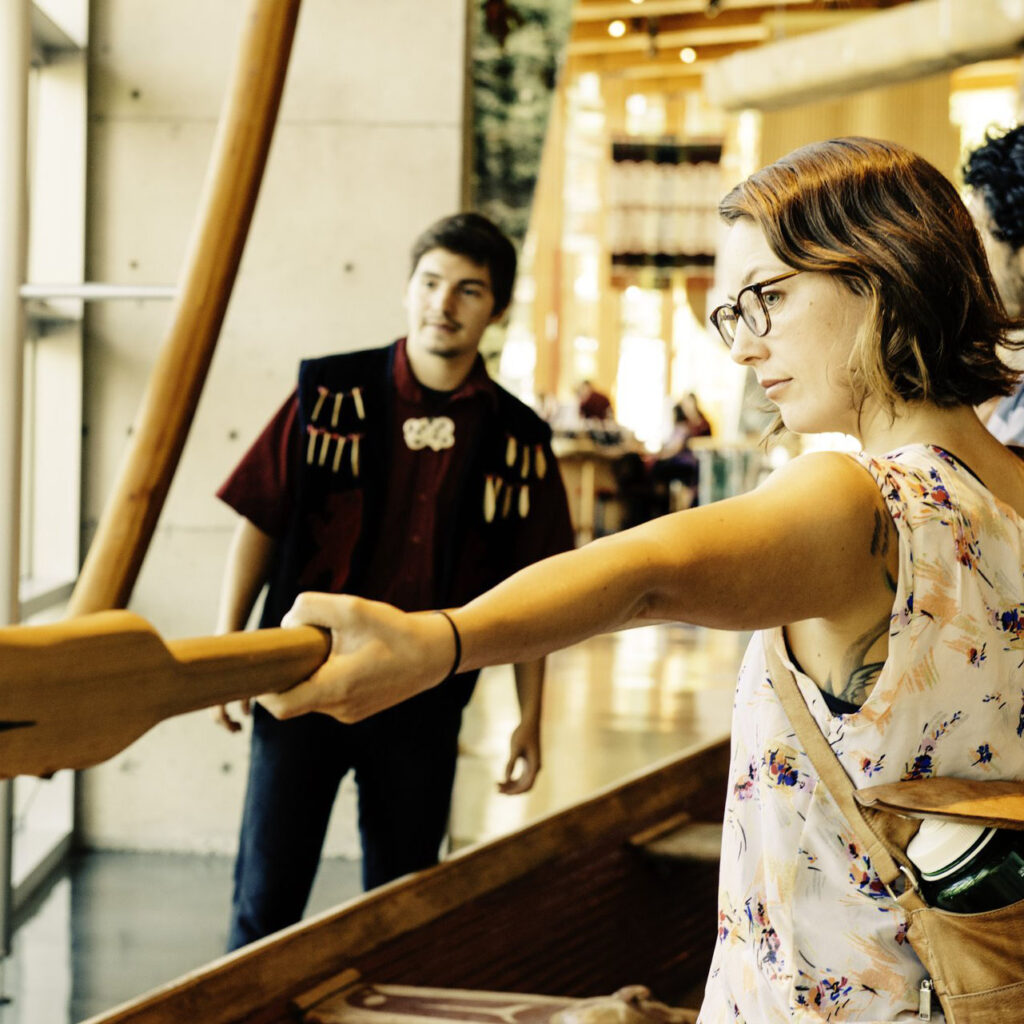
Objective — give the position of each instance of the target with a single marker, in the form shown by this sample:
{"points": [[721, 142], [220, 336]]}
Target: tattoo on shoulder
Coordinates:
{"points": [[880, 534], [860, 681], [881, 540], [857, 676]]}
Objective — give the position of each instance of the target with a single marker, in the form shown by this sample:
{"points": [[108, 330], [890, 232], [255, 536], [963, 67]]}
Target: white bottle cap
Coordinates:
{"points": [[942, 847]]}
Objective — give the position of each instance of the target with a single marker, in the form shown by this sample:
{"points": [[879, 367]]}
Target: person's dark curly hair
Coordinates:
{"points": [[996, 170]]}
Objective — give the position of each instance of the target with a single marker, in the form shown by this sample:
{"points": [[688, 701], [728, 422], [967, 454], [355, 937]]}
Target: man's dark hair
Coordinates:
{"points": [[474, 236], [996, 170]]}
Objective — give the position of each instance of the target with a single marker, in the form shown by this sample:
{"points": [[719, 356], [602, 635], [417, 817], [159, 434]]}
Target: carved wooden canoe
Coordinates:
{"points": [[579, 904]]}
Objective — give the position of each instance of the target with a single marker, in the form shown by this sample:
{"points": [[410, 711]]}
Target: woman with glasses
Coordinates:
{"points": [[889, 582]]}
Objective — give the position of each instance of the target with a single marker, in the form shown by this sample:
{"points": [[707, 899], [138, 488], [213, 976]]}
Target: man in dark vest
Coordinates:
{"points": [[403, 474]]}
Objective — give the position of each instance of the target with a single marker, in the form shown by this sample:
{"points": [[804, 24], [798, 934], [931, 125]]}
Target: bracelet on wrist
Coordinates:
{"points": [[458, 647]]}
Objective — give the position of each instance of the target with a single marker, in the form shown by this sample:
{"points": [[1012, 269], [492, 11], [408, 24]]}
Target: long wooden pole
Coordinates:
{"points": [[233, 179]]}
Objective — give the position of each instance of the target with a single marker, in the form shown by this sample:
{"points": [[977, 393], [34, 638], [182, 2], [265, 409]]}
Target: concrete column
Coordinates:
{"points": [[15, 42]]}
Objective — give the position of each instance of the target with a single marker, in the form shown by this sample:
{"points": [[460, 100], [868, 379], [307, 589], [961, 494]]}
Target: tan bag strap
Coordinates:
{"points": [[996, 803], [885, 856]]}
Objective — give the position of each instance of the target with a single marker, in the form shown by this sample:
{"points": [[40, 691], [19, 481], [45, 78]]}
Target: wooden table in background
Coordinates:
{"points": [[586, 472]]}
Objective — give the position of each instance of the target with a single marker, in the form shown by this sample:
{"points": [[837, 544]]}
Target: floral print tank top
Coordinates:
{"points": [[806, 932]]}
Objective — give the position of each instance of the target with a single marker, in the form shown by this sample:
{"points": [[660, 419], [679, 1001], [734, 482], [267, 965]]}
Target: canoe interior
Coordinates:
{"points": [[572, 905]]}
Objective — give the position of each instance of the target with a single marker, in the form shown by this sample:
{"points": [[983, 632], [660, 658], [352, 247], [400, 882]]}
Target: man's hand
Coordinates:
{"points": [[249, 559], [525, 744], [223, 717], [524, 749]]}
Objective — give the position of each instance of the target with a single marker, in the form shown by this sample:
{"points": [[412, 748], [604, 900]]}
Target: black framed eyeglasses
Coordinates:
{"points": [[750, 307]]}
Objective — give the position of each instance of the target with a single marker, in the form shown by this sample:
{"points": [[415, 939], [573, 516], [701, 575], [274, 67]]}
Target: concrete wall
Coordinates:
{"points": [[368, 150]]}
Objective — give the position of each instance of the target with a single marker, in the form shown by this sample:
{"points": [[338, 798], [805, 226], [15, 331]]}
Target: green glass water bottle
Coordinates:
{"points": [[968, 869]]}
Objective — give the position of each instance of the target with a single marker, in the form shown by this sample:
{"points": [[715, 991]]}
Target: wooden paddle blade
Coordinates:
{"points": [[77, 692], [70, 693]]}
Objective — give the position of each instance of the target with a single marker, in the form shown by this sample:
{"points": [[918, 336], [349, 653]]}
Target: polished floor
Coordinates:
{"points": [[115, 925]]}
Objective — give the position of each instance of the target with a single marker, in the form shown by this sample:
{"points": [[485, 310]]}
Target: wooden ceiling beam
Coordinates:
{"points": [[667, 62], [609, 10], [640, 24], [681, 75], [729, 31], [642, 42], [667, 85], [653, 79]]}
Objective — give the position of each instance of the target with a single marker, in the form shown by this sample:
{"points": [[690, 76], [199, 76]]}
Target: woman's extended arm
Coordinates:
{"points": [[803, 545]]}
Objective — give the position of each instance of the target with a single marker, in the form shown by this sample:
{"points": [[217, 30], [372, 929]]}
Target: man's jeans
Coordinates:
{"points": [[404, 762]]}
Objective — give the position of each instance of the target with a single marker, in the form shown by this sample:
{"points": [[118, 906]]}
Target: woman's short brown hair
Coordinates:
{"points": [[893, 228]]}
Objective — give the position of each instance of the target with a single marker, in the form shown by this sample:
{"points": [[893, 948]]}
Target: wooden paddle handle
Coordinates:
{"points": [[217, 669]]}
